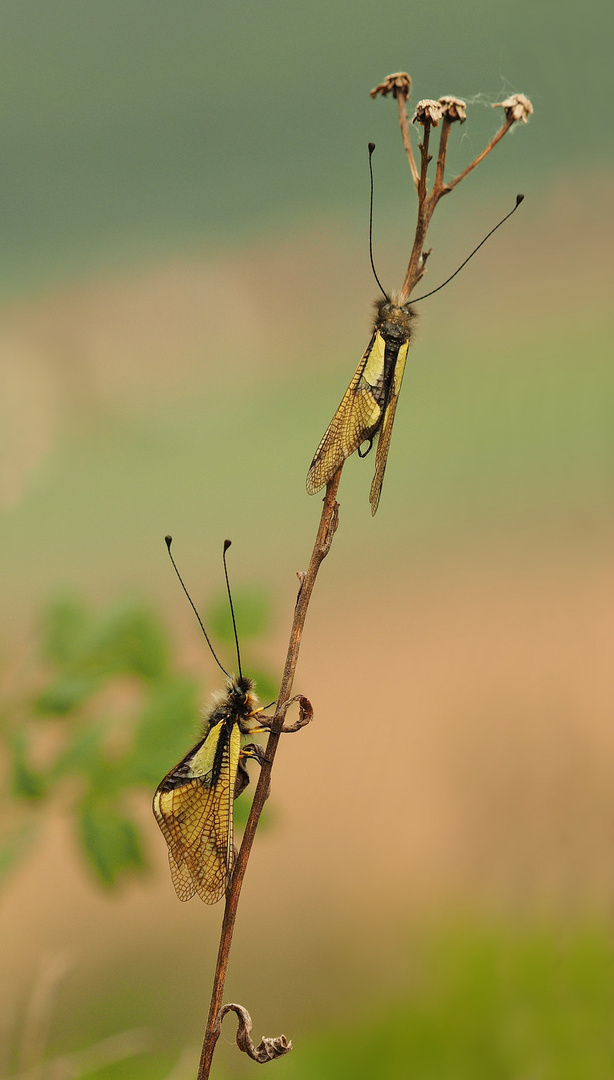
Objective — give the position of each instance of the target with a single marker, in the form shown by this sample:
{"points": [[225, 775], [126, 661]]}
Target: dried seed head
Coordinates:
{"points": [[517, 107], [453, 108], [427, 112], [399, 83]]}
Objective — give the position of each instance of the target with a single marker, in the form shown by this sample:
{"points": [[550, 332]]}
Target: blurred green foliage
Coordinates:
{"points": [[110, 716], [252, 608], [485, 1004]]}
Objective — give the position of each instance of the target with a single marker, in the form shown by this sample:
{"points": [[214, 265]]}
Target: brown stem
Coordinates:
{"points": [[414, 270], [326, 530], [424, 162], [324, 538], [404, 122], [443, 149], [425, 211]]}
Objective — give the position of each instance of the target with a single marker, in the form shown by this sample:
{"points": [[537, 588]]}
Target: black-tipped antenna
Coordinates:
{"points": [[519, 199], [227, 544], [371, 149], [169, 541]]}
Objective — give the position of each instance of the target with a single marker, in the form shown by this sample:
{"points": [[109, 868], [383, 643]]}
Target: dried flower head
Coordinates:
{"points": [[427, 112], [517, 107], [399, 83], [453, 108]]}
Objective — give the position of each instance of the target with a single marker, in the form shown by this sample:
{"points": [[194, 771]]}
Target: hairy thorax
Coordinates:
{"points": [[394, 321]]}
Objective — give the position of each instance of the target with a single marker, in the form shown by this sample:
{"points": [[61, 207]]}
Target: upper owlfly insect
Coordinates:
{"points": [[368, 406]]}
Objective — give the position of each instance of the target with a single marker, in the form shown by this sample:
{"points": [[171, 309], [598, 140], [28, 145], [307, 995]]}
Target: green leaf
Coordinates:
{"points": [[110, 839], [266, 688], [167, 728], [65, 623], [127, 639], [252, 612], [15, 844], [26, 782], [66, 692], [83, 752]]}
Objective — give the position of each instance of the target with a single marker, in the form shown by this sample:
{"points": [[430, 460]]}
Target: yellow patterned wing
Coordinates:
{"points": [[194, 809], [356, 418], [383, 443]]}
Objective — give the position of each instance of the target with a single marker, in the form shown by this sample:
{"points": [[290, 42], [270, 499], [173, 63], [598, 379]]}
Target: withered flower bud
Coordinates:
{"points": [[517, 107], [399, 83], [453, 108], [427, 112]]}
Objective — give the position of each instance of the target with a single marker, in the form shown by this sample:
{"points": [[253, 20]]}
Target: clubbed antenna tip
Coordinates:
{"points": [[232, 610]]}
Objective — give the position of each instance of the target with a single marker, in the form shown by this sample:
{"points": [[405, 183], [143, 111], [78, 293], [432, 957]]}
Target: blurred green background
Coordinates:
{"points": [[186, 292]]}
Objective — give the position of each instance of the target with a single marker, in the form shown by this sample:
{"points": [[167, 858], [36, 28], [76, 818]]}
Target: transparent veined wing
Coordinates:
{"points": [[355, 420], [383, 443], [194, 809]]}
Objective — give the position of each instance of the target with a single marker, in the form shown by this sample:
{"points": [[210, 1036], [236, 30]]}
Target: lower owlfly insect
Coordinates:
{"points": [[193, 804]]}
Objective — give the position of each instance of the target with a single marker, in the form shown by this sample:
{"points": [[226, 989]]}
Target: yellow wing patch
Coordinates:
{"points": [[356, 418], [196, 817]]}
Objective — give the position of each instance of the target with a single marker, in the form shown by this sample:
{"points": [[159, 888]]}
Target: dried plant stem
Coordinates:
{"points": [[428, 114], [441, 153], [324, 537], [404, 123]]}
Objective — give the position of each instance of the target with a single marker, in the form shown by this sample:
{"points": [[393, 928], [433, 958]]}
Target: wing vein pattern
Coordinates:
{"points": [[356, 418], [195, 814]]}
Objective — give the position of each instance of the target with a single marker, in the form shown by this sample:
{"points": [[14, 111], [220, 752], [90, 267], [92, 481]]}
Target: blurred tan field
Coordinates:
{"points": [[457, 650], [186, 294]]}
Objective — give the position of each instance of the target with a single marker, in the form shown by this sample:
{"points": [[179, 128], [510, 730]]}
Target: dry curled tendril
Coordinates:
{"points": [[305, 715], [267, 1049]]}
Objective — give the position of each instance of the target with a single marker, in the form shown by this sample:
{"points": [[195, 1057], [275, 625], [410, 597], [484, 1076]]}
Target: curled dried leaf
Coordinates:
{"points": [[427, 112], [267, 1050], [305, 715], [399, 83], [517, 107], [453, 108]]}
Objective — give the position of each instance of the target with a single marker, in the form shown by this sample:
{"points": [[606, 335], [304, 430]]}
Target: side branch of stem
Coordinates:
{"points": [[404, 124]]}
